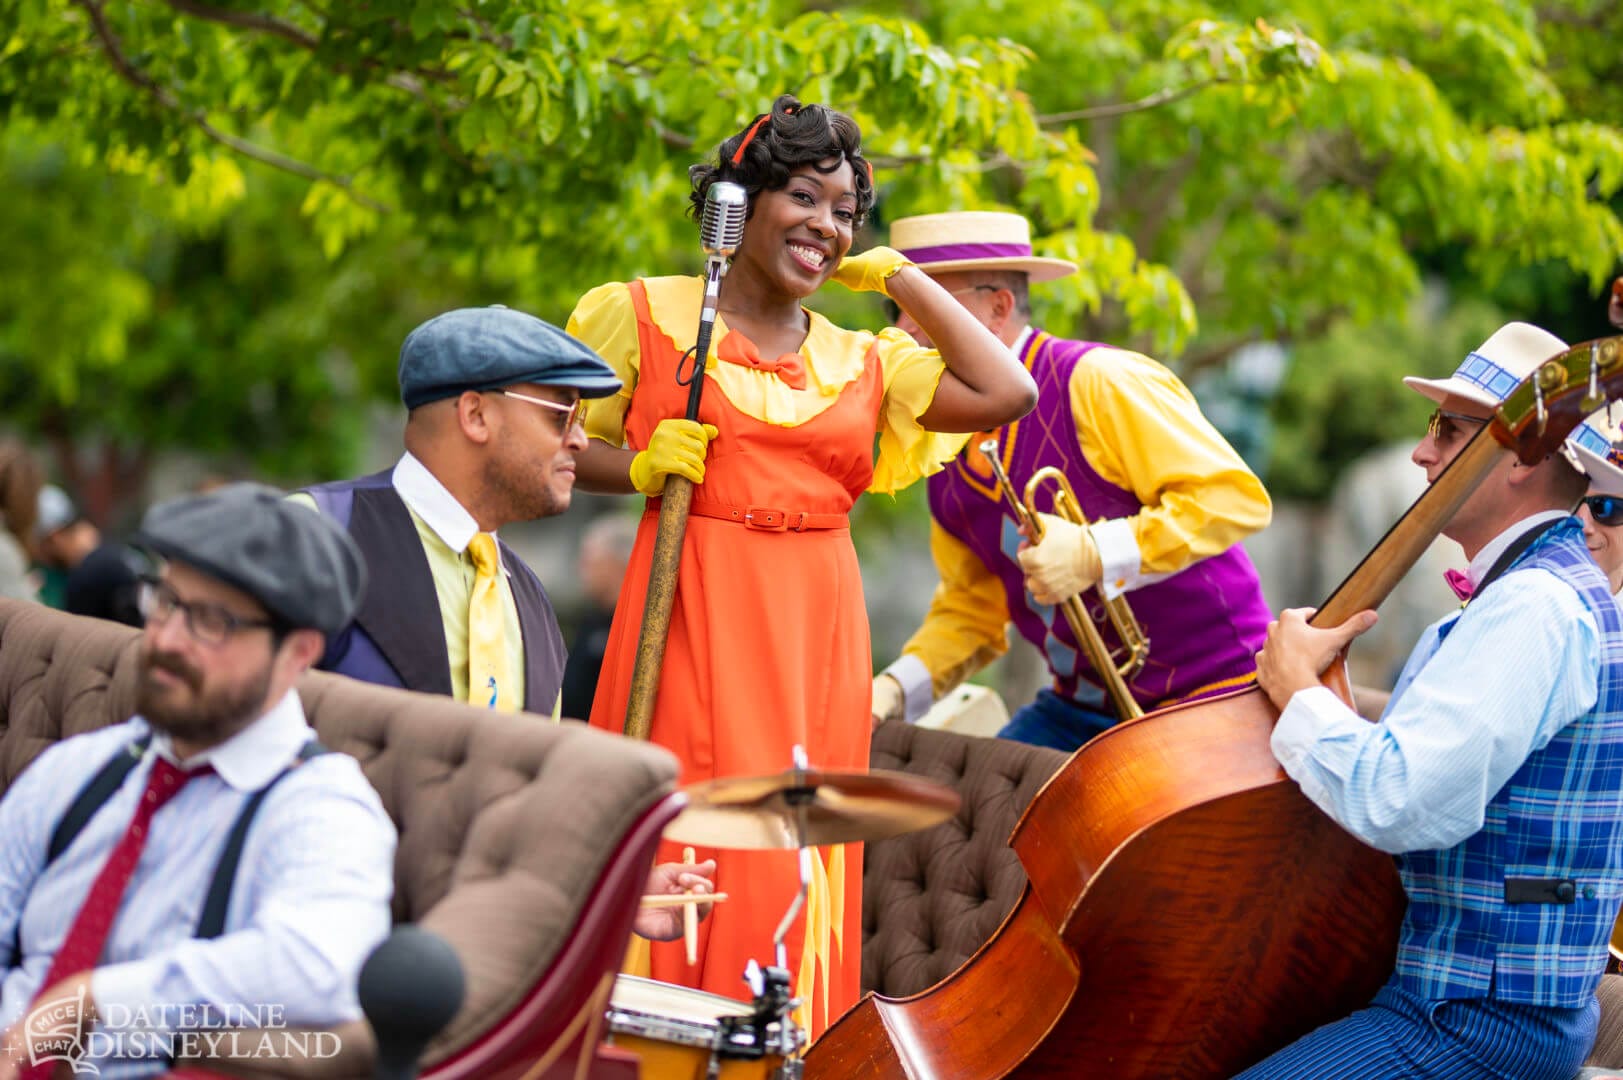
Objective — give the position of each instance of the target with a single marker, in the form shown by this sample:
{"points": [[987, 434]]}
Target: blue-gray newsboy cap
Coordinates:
{"points": [[491, 347], [297, 562]]}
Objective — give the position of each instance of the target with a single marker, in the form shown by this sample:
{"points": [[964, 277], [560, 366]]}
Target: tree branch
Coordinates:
{"points": [[247, 20], [1122, 108], [199, 119], [1155, 205]]}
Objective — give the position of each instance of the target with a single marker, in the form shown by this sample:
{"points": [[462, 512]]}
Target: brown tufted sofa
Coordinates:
{"points": [[524, 844], [931, 898]]}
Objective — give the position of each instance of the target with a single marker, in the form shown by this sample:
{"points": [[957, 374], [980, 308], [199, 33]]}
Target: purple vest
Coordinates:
{"points": [[398, 638], [1204, 623]]}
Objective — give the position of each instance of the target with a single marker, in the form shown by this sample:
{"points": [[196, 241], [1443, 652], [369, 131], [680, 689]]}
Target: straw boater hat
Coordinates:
{"points": [[1490, 372], [973, 240]]}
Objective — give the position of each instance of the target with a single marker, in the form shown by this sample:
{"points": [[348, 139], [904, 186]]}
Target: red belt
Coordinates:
{"points": [[765, 518]]}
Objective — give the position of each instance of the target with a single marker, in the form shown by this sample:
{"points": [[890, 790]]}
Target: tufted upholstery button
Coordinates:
{"points": [[931, 898]]}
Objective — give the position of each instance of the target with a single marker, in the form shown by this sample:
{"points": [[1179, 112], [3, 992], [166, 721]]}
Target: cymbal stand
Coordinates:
{"points": [[797, 797]]}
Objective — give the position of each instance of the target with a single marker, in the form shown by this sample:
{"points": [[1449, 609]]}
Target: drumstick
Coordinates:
{"points": [[690, 917], [657, 900]]}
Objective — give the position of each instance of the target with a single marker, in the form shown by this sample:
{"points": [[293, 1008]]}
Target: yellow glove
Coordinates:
{"points": [[869, 271], [677, 448], [1064, 564], [887, 699]]}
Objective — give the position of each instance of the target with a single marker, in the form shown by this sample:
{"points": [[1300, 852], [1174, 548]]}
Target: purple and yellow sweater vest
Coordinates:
{"points": [[1205, 623]]}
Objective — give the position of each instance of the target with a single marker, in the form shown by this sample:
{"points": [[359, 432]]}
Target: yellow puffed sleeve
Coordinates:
{"points": [[964, 629], [607, 322], [1141, 429], [907, 452]]}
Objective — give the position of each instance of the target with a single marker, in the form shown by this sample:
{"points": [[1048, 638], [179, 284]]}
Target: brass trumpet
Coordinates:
{"points": [[1135, 647]]}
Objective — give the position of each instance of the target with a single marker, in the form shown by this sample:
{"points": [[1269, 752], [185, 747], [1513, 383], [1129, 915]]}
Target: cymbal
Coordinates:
{"points": [[759, 813]]}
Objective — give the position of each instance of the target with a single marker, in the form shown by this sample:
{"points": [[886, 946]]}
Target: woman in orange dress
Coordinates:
{"points": [[768, 646]]}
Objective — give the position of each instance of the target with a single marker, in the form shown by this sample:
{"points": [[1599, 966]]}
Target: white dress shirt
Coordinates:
{"points": [[1466, 712], [311, 898], [430, 500]]}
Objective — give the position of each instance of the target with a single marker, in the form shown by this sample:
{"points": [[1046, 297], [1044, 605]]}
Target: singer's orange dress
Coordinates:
{"points": [[768, 647]]}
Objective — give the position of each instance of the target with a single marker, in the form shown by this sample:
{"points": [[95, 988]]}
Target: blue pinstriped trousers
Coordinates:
{"points": [[1401, 1037]]}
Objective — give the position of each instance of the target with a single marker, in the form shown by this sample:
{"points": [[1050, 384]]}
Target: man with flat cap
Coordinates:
{"points": [[494, 424], [121, 906]]}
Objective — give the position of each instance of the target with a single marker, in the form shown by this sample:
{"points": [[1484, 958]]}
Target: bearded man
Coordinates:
{"points": [[124, 910]]}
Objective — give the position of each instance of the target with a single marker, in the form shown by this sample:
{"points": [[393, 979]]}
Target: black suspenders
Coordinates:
{"points": [[94, 795]]}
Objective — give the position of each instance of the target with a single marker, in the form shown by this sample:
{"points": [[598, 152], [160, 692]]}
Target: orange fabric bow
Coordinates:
{"points": [[735, 348]]}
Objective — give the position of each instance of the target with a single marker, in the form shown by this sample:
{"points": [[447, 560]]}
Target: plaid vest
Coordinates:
{"points": [[1522, 910]]}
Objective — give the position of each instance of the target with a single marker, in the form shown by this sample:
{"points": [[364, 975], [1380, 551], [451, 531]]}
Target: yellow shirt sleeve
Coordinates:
{"points": [[907, 452], [964, 630], [1141, 429], [607, 322]]}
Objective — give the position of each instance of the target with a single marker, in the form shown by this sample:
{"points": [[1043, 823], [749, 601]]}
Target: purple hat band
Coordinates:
{"points": [[960, 252]]}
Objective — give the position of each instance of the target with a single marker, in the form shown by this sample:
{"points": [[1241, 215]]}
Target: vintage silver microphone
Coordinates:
{"points": [[721, 230]]}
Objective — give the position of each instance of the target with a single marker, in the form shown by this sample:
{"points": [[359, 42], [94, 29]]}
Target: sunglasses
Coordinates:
{"points": [[1605, 509], [1444, 426], [574, 412]]}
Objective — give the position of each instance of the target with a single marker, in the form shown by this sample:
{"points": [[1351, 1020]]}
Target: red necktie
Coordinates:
{"points": [[86, 938], [1461, 584]]}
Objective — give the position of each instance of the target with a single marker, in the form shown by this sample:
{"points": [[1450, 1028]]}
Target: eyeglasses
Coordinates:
{"points": [[1443, 426], [1605, 509], [210, 624], [574, 412]]}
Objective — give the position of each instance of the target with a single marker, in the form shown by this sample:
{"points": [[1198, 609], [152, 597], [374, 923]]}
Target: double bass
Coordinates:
{"points": [[1188, 911]]}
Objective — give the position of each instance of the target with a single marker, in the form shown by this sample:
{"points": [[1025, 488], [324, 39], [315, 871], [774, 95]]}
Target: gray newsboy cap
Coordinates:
{"points": [[491, 347], [299, 563]]}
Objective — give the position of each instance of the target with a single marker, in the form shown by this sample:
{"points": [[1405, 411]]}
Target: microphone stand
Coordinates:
{"points": [[673, 522]]}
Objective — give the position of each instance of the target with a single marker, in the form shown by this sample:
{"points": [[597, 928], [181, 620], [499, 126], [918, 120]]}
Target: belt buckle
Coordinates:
{"points": [[766, 519]]}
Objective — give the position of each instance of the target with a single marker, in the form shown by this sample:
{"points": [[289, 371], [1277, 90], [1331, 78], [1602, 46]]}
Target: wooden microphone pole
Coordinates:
{"points": [[673, 523]]}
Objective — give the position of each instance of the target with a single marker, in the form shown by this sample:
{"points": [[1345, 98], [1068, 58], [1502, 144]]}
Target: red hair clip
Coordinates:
{"points": [[738, 155], [869, 166]]}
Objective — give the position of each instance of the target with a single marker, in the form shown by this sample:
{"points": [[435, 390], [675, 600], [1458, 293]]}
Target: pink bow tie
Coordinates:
{"points": [[1461, 584]]}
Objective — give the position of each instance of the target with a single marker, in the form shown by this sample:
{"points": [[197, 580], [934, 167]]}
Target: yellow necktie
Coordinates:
{"points": [[489, 682]]}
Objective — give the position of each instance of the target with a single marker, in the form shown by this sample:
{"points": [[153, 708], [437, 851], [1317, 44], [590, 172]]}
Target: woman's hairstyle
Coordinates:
{"points": [[761, 157], [20, 480]]}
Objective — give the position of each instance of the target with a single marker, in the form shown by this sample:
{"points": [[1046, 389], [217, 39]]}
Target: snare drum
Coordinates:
{"points": [[678, 1034]]}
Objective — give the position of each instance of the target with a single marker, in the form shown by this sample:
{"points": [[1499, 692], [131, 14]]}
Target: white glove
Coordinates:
{"points": [[888, 702], [1065, 563]]}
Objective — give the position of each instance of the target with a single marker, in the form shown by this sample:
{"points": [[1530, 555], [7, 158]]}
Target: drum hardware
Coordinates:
{"points": [[803, 808], [684, 1034], [768, 1024]]}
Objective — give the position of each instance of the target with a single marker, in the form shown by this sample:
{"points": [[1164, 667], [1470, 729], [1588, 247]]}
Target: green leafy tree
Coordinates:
{"points": [[1273, 170]]}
